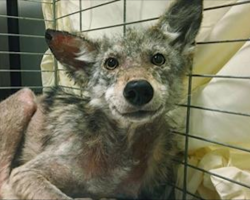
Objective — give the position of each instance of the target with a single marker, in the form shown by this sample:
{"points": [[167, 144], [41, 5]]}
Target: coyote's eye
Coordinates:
{"points": [[111, 63], [158, 59]]}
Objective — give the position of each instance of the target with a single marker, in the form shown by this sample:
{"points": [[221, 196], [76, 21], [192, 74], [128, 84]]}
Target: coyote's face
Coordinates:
{"points": [[139, 76]]}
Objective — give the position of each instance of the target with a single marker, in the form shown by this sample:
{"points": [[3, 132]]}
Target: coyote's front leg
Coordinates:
{"points": [[41, 178], [15, 114], [45, 177]]}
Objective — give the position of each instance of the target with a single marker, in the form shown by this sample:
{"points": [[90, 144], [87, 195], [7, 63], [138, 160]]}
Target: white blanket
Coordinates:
{"points": [[231, 95]]}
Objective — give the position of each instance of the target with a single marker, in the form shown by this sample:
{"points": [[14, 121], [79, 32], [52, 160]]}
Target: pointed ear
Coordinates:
{"points": [[75, 53], [182, 22]]}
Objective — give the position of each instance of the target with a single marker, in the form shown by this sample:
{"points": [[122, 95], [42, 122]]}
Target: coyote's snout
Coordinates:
{"points": [[138, 92], [117, 140]]}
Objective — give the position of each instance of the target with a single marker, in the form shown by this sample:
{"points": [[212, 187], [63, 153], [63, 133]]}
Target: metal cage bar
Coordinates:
{"points": [[14, 44], [124, 16], [213, 174], [25, 18], [55, 26], [215, 110], [90, 8], [189, 98], [38, 1], [227, 5], [212, 141], [22, 35]]}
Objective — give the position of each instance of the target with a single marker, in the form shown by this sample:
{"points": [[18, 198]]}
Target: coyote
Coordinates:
{"points": [[115, 141]]}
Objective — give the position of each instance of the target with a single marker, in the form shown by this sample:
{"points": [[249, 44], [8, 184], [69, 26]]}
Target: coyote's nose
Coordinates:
{"points": [[138, 93]]}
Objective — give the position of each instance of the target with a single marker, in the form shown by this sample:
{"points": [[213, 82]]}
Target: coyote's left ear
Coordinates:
{"points": [[77, 54], [182, 22]]}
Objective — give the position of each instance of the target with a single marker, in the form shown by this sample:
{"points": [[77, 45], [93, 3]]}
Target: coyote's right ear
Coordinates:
{"points": [[182, 22], [77, 54]]}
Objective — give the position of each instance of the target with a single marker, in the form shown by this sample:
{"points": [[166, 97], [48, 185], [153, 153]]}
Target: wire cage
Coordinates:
{"points": [[22, 48]]}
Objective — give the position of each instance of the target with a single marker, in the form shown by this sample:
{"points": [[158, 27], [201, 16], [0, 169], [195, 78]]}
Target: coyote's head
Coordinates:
{"points": [[139, 76]]}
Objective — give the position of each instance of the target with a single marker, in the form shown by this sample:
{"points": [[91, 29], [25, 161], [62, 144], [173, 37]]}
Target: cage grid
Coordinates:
{"points": [[13, 18]]}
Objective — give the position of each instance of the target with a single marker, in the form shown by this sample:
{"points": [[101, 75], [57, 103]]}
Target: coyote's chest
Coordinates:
{"points": [[119, 172]]}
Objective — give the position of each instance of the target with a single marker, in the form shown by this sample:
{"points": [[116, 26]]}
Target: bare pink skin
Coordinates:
{"points": [[15, 115]]}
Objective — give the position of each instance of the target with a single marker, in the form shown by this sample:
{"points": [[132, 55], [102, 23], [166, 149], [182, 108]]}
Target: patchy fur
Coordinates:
{"points": [[103, 144]]}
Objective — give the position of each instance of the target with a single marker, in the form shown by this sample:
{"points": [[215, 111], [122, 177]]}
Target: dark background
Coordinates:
{"points": [[20, 44]]}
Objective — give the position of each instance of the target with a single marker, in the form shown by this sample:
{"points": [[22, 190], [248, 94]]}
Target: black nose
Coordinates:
{"points": [[138, 93]]}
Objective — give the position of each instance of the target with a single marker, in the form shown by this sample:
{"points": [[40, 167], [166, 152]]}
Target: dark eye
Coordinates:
{"points": [[111, 63], [158, 59]]}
